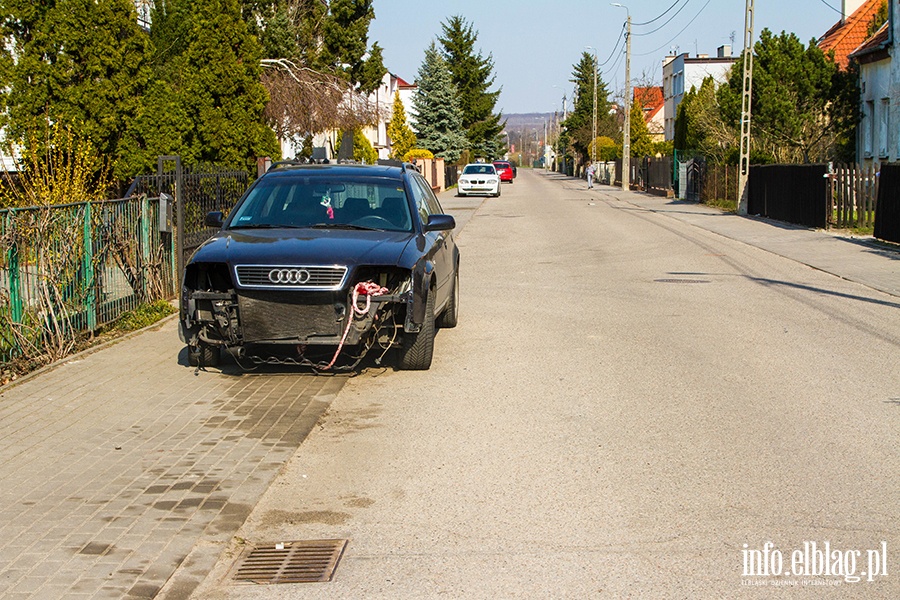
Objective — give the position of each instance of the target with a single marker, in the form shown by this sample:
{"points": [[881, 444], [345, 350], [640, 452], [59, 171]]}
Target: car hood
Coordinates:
{"points": [[286, 247]]}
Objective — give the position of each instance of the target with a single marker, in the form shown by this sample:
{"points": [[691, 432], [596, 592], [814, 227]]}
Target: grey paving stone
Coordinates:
{"points": [[124, 460]]}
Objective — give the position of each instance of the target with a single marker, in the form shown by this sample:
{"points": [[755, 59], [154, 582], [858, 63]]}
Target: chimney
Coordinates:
{"points": [[703, 56], [848, 7], [724, 51]]}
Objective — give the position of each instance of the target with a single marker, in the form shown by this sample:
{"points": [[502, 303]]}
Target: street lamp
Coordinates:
{"points": [[594, 128], [626, 137]]}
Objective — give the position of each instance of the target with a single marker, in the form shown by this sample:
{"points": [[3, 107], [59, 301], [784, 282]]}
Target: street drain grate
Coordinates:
{"points": [[308, 561], [681, 280]]}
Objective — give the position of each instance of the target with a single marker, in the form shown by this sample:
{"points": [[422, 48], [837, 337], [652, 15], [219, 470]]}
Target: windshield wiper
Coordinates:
{"points": [[265, 226], [343, 226]]}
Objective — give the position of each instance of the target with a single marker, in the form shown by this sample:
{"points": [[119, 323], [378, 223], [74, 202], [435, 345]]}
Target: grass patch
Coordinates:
{"points": [[723, 204], [142, 316]]}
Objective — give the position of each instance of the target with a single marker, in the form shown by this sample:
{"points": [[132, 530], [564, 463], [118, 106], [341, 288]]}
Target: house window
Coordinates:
{"points": [[883, 119], [868, 129]]}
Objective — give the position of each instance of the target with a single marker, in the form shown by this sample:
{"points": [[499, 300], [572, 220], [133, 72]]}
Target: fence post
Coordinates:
{"points": [[145, 246], [90, 301], [16, 307], [177, 231]]}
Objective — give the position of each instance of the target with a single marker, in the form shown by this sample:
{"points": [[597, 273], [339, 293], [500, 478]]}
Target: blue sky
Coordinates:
{"points": [[535, 44]]}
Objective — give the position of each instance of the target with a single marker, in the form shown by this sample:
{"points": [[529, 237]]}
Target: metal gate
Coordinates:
{"points": [[192, 195]]}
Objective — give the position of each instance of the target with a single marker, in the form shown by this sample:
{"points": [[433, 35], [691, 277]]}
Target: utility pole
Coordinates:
{"points": [[626, 137], [746, 98], [593, 144]]}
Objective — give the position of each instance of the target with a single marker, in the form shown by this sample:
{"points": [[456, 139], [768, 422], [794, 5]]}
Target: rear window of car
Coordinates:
{"points": [[479, 170], [503, 165], [301, 201]]}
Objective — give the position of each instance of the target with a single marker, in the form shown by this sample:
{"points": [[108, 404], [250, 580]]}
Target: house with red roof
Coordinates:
{"points": [[851, 30], [383, 99], [852, 40], [652, 102]]}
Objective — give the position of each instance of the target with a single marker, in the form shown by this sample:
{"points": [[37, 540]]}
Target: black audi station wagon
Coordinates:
{"points": [[318, 265]]}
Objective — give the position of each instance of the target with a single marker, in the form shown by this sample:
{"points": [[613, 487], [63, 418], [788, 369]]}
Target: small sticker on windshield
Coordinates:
{"points": [[245, 218]]}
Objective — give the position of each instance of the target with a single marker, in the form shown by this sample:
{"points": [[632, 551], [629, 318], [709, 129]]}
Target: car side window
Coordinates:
{"points": [[420, 197], [434, 207]]}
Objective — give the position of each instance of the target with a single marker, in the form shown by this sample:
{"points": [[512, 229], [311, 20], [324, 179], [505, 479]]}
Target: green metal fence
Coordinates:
{"points": [[68, 269]]}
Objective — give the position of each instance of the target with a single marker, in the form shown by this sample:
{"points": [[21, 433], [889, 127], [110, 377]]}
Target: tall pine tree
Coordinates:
{"points": [[472, 73], [438, 113], [580, 122], [83, 64]]}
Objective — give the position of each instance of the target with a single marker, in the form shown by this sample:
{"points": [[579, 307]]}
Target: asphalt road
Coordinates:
{"points": [[631, 406]]}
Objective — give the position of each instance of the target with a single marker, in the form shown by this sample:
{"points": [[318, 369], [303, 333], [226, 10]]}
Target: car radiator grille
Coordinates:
{"points": [[291, 277], [267, 317]]}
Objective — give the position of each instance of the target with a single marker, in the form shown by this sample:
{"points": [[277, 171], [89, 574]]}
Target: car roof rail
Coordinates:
{"points": [[285, 163]]}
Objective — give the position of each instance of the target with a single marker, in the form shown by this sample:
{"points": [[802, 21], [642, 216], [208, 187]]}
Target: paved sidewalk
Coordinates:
{"points": [[123, 471], [861, 260], [115, 465]]}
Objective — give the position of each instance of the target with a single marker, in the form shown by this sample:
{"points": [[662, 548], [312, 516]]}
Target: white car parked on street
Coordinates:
{"points": [[479, 178]]}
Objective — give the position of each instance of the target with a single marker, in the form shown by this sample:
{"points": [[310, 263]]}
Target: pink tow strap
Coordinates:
{"points": [[363, 288]]}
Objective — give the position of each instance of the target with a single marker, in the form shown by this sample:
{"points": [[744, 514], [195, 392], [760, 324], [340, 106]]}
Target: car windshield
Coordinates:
{"points": [[304, 201], [479, 170]]}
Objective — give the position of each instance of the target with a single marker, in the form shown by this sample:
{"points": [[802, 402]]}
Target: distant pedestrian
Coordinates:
{"points": [[590, 175]]}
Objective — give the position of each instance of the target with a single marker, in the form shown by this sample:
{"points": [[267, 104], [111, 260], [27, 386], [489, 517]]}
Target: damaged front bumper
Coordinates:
{"points": [[260, 323]]}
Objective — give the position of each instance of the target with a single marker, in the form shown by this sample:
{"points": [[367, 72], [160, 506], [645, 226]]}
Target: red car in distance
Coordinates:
{"points": [[504, 170]]}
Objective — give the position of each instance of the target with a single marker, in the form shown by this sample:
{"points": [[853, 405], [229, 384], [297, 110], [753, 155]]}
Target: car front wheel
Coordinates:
{"points": [[417, 349]]}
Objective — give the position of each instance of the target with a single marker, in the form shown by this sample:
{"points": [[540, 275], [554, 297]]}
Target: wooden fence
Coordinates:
{"points": [[854, 191]]}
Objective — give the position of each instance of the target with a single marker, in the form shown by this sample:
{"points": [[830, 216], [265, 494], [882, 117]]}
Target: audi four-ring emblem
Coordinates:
{"points": [[289, 276]]}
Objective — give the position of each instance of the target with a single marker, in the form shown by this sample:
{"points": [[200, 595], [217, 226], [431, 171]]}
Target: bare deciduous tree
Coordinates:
{"points": [[305, 101]]}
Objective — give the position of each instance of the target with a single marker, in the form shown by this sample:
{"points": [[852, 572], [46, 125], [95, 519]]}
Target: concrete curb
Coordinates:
{"points": [[86, 352]]}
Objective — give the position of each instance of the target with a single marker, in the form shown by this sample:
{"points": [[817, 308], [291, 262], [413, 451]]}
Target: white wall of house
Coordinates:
{"points": [[875, 136], [383, 99], [681, 73]]}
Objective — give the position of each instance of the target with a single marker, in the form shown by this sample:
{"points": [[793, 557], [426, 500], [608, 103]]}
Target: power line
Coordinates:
{"points": [[674, 4], [677, 34], [615, 65], [614, 49], [677, 12], [831, 7], [667, 22]]}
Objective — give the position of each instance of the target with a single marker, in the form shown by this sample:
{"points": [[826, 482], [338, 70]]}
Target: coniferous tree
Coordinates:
{"points": [[402, 137], [801, 108], [580, 122], [472, 73], [344, 40], [207, 101], [82, 64], [438, 113], [641, 144]]}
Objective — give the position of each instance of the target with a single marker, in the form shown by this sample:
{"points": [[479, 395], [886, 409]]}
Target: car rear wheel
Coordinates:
{"points": [[417, 349], [450, 317], [203, 355]]}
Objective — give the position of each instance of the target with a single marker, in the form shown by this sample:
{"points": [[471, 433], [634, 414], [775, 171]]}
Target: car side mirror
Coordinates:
{"points": [[440, 223], [215, 219]]}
